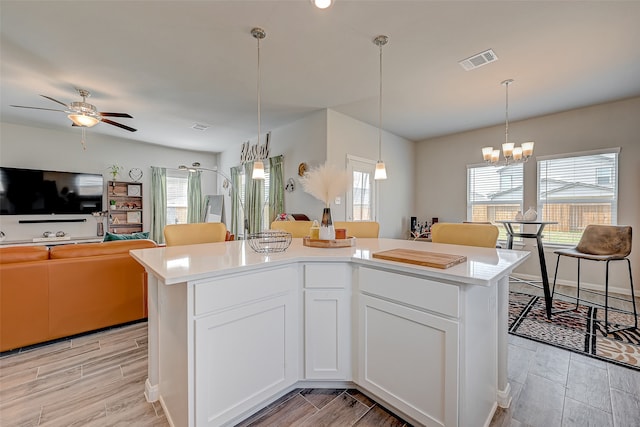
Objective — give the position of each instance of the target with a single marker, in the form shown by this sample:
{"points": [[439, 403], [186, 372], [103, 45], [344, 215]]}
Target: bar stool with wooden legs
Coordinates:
{"points": [[602, 243]]}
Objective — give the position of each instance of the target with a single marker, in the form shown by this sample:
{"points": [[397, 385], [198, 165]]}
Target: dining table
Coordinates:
{"points": [[529, 234]]}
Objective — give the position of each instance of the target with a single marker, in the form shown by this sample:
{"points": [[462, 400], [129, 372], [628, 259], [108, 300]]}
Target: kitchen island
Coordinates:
{"points": [[231, 330]]}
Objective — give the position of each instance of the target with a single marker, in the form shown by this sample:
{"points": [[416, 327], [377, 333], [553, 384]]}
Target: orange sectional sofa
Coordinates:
{"points": [[50, 293]]}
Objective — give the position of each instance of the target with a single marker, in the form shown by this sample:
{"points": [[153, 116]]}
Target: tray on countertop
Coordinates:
{"points": [[423, 258], [335, 243]]}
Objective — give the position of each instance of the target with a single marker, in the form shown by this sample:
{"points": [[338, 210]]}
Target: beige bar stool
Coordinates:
{"points": [[602, 243]]}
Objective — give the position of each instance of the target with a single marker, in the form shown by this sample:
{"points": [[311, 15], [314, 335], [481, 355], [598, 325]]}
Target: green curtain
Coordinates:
{"points": [[194, 197], [253, 199], [158, 203], [236, 207], [276, 187]]}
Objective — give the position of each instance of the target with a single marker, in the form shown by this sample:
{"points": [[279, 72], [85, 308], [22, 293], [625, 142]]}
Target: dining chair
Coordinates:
{"points": [[296, 228], [195, 233], [467, 234], [362, 229], [601, 243]]}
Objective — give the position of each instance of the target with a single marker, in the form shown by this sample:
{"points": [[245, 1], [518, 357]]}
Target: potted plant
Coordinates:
{"points": [[114, 170], [112, 204]]}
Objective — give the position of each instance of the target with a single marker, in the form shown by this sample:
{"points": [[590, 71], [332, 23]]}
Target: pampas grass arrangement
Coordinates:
{"points": [[325, 182]]}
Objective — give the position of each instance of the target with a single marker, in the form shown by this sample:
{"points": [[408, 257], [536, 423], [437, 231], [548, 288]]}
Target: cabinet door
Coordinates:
{"points": [[410, 359], [244, 356], [327, 334]]}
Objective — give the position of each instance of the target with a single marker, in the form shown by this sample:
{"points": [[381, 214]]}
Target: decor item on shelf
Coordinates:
{"points": [[530, 214], [135, 174], [258, 166], [511, 153], [133, 190], [381, 171], [112, 204], [325, 183], [114, 170], [519, 216], [99, 216], [270, 241]]}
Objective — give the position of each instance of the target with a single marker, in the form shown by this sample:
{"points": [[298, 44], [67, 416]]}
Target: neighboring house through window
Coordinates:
{"points": [[576, 190], [494, 193]]}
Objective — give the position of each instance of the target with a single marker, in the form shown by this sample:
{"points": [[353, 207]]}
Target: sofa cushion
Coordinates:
{"points": [[103, 248], [133, 236], [14, 254]]}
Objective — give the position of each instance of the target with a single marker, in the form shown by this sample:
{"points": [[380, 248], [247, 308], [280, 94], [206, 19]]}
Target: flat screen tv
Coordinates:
{"points": [[38, 192]]}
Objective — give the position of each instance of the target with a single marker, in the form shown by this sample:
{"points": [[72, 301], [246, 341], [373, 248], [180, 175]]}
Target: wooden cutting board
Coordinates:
{"points": [[424, 258]]}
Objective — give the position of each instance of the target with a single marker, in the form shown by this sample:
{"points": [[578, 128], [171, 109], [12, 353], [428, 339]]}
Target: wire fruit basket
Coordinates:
{"points": [[270, 241]]}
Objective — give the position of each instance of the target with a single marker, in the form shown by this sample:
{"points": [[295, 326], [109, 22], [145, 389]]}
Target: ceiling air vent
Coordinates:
{"points": [[478, 60], [200, 126]]}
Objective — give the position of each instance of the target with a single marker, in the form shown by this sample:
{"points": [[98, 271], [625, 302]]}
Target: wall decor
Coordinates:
{"points": [[133, 190], [134, 217], [135, 174]]}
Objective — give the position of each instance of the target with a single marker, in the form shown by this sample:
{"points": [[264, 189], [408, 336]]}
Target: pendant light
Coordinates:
{"points": [[381, 171], [511, 153], [258, 166]]}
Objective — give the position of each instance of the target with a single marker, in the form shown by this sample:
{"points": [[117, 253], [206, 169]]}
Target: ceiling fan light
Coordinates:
{"points": [[83, 120], [381, 171], [258, 170]]}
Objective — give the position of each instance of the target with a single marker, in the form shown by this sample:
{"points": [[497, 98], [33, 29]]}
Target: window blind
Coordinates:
{"points": [[576, 190]]}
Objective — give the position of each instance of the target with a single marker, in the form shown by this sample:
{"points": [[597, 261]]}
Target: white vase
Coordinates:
{"points": [[327, 230], [531, 214], [519, 216]]}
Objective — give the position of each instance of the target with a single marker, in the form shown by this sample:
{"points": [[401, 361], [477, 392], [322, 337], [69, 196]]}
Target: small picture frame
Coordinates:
{"points": [[133, 190], [134, 217]]}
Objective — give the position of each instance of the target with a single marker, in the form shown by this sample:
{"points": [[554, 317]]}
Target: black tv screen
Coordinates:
{"points": [[35, 192]]}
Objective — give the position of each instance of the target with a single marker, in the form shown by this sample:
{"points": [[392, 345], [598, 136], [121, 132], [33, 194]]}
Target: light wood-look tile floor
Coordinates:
{"points": [[98, 380]]}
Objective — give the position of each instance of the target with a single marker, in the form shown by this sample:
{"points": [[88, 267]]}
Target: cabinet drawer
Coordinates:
{"points": [[217, 294], [322, 275], [422, 293]]}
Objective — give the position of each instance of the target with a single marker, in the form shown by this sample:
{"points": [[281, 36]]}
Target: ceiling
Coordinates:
{"points": [[171, 64]]}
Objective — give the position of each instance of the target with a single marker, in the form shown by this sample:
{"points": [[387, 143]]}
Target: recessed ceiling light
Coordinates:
{"points": [[322, 4], [478, 60]]}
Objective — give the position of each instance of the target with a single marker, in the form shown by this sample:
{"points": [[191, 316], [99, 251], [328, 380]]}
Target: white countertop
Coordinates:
{"points": [[178, 264]]}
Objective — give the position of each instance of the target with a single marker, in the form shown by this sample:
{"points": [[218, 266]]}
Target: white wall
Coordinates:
{"points": [[348, 136], [328, 135], [441, 177], [37, 148]]}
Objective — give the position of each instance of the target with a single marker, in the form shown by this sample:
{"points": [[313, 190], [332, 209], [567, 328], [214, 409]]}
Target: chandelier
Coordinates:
{"points": [[510, 152]]}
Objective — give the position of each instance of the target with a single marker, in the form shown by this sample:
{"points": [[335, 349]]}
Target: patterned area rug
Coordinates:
{"points": [[580, 331]]}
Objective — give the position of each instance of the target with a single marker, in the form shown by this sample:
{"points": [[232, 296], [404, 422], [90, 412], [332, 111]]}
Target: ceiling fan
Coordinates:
{"points": [[84, 114]]}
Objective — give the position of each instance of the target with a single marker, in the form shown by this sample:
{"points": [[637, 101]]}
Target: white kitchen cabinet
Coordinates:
{"points": [[247, 347], [409, 358], [327, 321]]}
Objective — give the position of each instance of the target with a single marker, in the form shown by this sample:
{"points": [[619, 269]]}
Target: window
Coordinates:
{"points": [[576, 190], [361, 196], [494, 193], [177, 199]]}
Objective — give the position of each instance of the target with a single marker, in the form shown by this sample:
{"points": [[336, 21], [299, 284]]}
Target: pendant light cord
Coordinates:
{"points": [[506, 83], [380, 110], [258, 89]]}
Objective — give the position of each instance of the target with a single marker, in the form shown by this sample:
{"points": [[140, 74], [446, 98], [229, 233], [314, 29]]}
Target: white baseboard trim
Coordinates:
{"points": [[504, 397], [589, 286], [151, 392]]}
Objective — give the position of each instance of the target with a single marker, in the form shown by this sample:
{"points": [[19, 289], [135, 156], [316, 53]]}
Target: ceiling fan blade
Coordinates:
{"points": [[116, 115], [55, 100], [120, 125], [37, 108]]}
